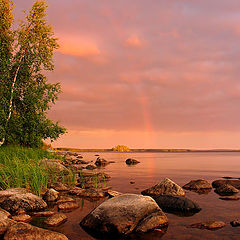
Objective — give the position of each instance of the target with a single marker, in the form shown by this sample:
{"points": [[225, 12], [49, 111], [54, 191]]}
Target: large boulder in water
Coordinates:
{"points": [[170, 203], [101, 162], [18, 198], [124, 214], [226, 189], [24, 231], [165, 187], [196, 185]]}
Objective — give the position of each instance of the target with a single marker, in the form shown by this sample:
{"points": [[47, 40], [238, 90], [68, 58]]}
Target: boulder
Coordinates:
{"points": [[131, 161], [196, 185], [51, 195], [24, 231], [101, 162], [64, 199], [56, 219], [170, 203], [123, 215], [226, 190], [5, 222], [58, 186], [87, 193], [112, 193], [43, 214], [55, 166], [22, 218], [165, 187], [13, 200], [210, 225], [234, 183]]}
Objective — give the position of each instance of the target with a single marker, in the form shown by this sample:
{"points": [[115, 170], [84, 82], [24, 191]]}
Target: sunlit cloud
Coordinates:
{"points": [[134, 41]]}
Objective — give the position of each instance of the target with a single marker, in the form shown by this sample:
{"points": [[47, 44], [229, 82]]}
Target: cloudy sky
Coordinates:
{"points": [[146, 73]]}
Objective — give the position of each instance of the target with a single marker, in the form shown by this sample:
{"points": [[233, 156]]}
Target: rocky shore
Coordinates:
{"points": [[119, 215]]}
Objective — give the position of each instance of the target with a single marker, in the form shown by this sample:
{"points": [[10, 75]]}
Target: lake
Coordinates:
{"points": [[179, 167]]}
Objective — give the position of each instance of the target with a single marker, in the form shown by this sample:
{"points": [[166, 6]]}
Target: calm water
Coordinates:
{"points": [[181, 168]]}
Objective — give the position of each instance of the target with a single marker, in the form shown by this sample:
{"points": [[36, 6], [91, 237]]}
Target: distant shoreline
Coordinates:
{"points": [[147, 150]]}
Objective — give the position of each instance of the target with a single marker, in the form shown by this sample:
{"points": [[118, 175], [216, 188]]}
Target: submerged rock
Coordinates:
{"points": [[43, 214], [88, 193], [226, 190], [56, 220], [24, 231], [64, 199], [131, 161], [22, 218], [198, 185], [210, 225], [13, 200], [219, 183], [67, 206], [172, 203], [165, 187], [124, 214], [230, 198]]}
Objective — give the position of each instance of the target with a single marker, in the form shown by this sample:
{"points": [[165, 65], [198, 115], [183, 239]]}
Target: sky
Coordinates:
{"points": [[146, 73]]}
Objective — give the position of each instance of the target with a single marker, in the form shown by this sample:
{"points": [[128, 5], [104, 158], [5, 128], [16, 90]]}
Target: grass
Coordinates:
{"points": [[19, 167]]}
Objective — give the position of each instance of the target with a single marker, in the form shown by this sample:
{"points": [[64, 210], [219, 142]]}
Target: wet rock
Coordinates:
{"points": [[90, 167], [198, 185], [132, 182], [64, 199], [60, 187], [226, 190], [51, 195], [56, 220], [55, 166], [12, 200], [22, 218], [67, 206], [235, 223], [91, 180], [124, 214], [234, 183], [88, 193], [43, 214], [24, 231], [101, 162], [230, 198], [5, 222], [5, 212], [170, 203], [210, 225], [112, 193], [167, 187], [81, 162], [131, 161]]}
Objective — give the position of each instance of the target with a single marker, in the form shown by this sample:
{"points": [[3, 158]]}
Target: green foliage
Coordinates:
{"points": [[121, 148], [19, 167], [25, 94]]}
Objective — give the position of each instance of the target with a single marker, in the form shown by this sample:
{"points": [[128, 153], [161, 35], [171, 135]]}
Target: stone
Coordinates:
{"points": [[22, 218], [131, 161], [43, 214], [90, 167], [210, 225], [165, 187], [64, 199], [235, 223], [5, 212], [226, 190], [13, 200], [112, 193], [171, 203], [77, 167], [230, 198], [58, 186], [56, 220], [67, 206], [196, 185], [234, 183], [5, 222], [87, 193], [24, 231], [123, 215], [101, 162], [55, 166], [51, 195]]}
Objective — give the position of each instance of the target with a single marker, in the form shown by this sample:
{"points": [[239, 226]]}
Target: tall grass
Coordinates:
{"points": [[19, 167]]}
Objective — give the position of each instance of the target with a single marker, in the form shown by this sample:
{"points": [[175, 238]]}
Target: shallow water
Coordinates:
{"points": [[181, 168]]}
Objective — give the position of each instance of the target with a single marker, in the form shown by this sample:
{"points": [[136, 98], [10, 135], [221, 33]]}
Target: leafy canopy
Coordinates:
{"points": [[25, 94]]}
